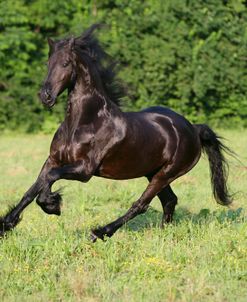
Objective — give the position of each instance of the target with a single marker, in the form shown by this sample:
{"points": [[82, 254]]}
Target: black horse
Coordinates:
{"points": [[97, 139]]}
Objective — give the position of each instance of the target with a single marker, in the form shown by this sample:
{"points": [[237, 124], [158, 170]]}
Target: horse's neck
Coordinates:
{"points": [[86, 105]]}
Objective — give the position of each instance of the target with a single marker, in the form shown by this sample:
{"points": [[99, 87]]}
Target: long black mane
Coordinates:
{"points": [[89, 50]]}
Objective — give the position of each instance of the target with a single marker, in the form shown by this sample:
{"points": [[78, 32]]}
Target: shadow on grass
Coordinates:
{"points": [[152, 218]]}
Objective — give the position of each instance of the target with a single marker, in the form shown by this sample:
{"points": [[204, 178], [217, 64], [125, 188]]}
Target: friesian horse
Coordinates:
{"points": [[97, 138]]}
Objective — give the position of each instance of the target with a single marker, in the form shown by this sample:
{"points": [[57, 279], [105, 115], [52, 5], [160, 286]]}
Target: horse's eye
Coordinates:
{"points": [[65, 64]]}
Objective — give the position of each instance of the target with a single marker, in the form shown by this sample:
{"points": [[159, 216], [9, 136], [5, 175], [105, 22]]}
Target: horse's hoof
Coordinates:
{"points": [[55, 210], [2, 233], [93, 237], [6, 225], [166, 219], [51, 209], [52, 204], [97, 233]]}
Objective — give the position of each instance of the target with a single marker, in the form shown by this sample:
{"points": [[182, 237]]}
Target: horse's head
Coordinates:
{"points": [[81, 58], [60, 70]]}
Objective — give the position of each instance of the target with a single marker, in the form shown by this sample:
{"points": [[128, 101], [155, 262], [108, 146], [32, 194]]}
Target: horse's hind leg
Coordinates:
{"points": [[156, 185], [168, 201]]}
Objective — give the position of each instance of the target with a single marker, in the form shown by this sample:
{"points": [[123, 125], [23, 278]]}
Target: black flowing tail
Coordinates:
{"points": [[214, 148]]}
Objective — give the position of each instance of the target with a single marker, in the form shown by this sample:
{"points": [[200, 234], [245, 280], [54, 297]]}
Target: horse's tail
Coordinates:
{"points": [[214, 148]]}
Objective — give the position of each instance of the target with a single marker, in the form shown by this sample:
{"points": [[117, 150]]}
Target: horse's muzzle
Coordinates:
{"points": [[46, 97]]}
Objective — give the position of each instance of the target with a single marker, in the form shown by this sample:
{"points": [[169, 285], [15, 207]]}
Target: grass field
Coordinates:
{"points": [[202, 256]]}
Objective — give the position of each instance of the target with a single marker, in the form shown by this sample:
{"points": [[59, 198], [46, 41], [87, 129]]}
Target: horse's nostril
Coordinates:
{"points": [[47, 93]]}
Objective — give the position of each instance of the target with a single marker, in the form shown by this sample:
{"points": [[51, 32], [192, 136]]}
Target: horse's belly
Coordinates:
{"points": [[131, 166]]}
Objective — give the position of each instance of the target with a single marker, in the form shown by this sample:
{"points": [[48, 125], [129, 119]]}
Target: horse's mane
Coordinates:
{"points": [[88, 48]]}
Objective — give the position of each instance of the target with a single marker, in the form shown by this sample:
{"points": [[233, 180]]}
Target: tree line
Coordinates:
{"points": [[190, 55]]}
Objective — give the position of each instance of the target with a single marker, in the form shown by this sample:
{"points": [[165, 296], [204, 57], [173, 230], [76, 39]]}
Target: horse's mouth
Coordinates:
{"points": [[47, 98], [50, 102]]}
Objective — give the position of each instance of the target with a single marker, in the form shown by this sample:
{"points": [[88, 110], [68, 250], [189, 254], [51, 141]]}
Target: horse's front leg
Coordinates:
{"points": [[10, 220], [49, 201]]}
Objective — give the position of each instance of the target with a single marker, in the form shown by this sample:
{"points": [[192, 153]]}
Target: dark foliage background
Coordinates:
{"points": [[189, 55]]}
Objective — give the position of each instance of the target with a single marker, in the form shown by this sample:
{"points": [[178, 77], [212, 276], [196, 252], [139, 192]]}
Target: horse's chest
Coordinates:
{"points": [[69, 152]]}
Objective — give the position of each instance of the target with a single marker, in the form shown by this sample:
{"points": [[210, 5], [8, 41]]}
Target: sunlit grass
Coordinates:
{"points": [[200, 257]]}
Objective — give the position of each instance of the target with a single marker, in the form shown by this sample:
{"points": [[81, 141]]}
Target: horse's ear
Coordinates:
{"points": [[72, 43], [51, 43]]}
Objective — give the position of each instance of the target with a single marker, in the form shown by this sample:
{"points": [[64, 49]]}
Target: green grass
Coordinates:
{"points": [[200, 257]]}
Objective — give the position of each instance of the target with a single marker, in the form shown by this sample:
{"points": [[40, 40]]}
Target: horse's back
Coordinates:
{"points": [[162, 119], [168, 113]]}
